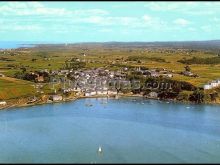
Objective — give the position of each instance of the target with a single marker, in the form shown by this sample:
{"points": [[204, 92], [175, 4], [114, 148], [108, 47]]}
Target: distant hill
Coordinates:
{"points": [[211, 45]]}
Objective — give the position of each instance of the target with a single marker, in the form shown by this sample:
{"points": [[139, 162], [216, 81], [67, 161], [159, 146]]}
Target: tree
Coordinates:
{"points": [[214, 96], [19, 75], [33, 59], [197, 96], [23, 69]]}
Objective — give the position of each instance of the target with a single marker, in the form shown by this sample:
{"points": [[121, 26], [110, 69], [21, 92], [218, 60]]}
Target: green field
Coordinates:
{"points": [[11, 88], [54, 57]]}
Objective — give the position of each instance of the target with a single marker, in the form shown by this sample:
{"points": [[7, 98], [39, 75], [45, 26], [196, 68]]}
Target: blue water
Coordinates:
{"points": [[19, 44], [129, 130], [15, 44]]}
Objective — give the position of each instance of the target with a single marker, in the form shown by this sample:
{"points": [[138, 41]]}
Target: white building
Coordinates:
{"points": [[93, 93], [153, 95], [102, 92], [87, 94], [1, 75], [207, 86], [3, 103], [90, 93], [111, 92], [212, 84], [56, 98]]}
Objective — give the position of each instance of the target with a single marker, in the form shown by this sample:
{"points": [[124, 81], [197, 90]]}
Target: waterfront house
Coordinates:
{"points": [[93, 92], [32, 99], [90, 93], [87, 93], [1, 75], [152, 95], [3, 103], [101, 92], [112, 92], [56, 98], [212, 84]]}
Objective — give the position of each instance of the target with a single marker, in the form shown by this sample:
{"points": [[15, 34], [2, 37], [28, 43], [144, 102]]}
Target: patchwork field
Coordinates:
{"points": [[11, 88], [52, 57]]}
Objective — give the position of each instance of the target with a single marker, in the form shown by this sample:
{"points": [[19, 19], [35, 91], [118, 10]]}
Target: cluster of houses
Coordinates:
{"points": [[99, 81], [95, 81], [102, 81], [155, 72], [212, 84]]}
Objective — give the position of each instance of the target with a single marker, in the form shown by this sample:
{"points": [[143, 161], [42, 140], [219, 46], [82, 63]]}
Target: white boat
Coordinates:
{"points": [[89, 105], [100, 149]]}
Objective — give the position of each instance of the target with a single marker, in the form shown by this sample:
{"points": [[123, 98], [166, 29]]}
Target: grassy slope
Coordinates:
{"points": [[13, 88]]}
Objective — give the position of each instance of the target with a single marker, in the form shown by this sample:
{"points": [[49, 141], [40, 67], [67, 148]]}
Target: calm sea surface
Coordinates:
{"points": [[129, 130], [14, 44], [18, 44]]}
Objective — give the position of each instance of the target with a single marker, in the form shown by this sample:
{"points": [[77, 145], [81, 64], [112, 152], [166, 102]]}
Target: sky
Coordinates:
{"points": [[109, 21]]}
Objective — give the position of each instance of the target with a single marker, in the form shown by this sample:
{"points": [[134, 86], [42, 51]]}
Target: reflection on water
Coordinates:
{"points": [[128, 130]]}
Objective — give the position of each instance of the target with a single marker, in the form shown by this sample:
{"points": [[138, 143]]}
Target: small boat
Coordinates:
{"points": [[100, 149], [187, 107], [89, 105]]}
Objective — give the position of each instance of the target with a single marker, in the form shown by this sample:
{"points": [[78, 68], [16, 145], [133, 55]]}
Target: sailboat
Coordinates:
{"points": [[100, 149], [89, 105]]}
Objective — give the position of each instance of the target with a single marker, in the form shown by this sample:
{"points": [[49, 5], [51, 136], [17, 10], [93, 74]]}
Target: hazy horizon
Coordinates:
{"points": [[63, 42]]}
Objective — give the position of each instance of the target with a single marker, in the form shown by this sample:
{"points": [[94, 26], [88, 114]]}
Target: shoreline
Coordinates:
{"points": [[97, 96], [66, 100]]}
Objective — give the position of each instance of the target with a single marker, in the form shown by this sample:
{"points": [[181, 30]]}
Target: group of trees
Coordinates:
{"points": [[197, 96], [196, 60], [167, 88], [31, 77], [139, 58]]}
